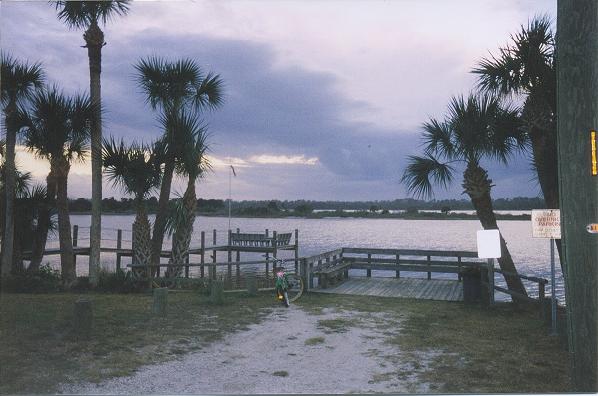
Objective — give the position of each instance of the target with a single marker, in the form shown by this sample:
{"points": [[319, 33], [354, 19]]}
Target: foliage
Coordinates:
{"points": [[19, 80], [44, 280], [81, 14], [118, 282]]}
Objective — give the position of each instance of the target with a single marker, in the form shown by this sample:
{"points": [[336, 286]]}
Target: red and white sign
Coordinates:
{"points": [[546, 223]]}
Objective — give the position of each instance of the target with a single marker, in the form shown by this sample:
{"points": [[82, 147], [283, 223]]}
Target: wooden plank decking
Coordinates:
{"points": [[423, 289]]}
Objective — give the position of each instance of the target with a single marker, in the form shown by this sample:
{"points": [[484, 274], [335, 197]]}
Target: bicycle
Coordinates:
{"points": [[289, 286]]}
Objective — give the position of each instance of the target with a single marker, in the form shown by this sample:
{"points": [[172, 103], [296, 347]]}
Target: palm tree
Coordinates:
{"points": [[526, 68], [19, 81], [176, 89], [136, 169], [58, 129], [192, 164], [475, 128], [87, 15]]}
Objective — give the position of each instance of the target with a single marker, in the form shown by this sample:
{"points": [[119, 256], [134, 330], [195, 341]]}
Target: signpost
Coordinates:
{"points": [[488, 242], [546, 223]]}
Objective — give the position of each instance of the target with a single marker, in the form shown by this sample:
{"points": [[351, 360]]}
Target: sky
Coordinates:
{"points": [[324, 100]]}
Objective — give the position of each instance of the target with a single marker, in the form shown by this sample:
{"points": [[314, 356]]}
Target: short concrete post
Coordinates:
{"points": [[83, 319], [216, 292], [160, 301], [251, 282]]}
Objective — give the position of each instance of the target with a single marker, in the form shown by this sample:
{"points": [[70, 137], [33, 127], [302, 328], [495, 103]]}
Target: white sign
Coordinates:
{"points": [[546, 223], [488, 244]]}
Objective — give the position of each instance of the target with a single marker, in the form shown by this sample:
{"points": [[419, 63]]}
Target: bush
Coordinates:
{"points": [[44, 280], [119, 282]]}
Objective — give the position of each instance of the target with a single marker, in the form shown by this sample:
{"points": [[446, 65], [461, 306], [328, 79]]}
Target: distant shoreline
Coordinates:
{"points": [[344, 215]]}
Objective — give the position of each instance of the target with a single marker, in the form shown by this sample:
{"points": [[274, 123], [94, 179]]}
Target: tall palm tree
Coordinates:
{"points": [[475, 128], [87, 15], [137, 170], [192, 164], [58, 129], [18, 83], [526, 68], [175, 89]]}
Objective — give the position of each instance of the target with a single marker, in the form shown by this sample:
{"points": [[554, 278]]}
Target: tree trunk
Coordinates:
{"points": [[162, 213], [9, 189], [577, 106], [94, 40], [182, 236], [141, 240], [43, 226], [67, 258], [477, 186], [545, 156]]}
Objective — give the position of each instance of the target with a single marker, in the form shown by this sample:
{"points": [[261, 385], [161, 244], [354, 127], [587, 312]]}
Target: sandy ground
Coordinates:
{"points": [[273, 357]]}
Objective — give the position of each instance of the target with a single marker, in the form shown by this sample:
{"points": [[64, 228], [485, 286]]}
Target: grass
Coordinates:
{"points": [[314, 341], [454, 347], [37, 339], [503, 349], [280, 373]]}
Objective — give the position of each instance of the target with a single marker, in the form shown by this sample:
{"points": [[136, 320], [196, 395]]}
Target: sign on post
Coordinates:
{"points": [[546, 223], [488, 243]]}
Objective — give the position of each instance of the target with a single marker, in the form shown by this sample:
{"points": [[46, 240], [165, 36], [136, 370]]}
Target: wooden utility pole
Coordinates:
{"points": [[577, 107]]}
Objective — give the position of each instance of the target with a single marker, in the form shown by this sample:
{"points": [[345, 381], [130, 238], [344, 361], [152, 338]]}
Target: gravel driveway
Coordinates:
{"points": [[291, 351]]}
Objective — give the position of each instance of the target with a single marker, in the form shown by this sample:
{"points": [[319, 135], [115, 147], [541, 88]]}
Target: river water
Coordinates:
{"points": [[531, 255]]}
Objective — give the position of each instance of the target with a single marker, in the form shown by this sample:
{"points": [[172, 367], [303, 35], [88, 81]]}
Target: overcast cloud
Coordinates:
{"points": [[324, 100]]}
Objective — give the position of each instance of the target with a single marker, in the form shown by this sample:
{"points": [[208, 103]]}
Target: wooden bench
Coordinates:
{"points": [[332, 272], [259, 240]]}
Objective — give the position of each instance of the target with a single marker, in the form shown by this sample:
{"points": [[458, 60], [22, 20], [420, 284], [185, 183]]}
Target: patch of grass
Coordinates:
{"points": [[502, 349], [280, 373], [314, 341], [339, 325], [38, 349]]}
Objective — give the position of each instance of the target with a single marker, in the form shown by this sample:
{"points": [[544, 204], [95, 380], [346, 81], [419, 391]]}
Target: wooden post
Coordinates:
{"points": [[304, 273], [230, 256], [491, 281], [459, 268], [160, 303], [83, 319], [267, 257], [119, 242], [310, 273], [237, 259], [274, 244], [187, 267], [485, 297], [213, 268], [369, 270], [398, 261], [202, 253], [541, 290], [429, 273], [251, 283], [296, 251], [75, 242]]}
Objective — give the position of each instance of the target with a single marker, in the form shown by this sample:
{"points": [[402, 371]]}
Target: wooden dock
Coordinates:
{"points": [[423, 289]]}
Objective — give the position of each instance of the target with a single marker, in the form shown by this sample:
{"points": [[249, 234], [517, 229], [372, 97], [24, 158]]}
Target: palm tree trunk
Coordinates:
{"points": [[67, 258], [9, 188], [43, 226], [94, 40], [141, 240], [160, 222], [545, 156], [182, 237], [477, 186]]}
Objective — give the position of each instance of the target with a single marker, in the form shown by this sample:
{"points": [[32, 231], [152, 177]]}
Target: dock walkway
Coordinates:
{"points": [[424, 289]]}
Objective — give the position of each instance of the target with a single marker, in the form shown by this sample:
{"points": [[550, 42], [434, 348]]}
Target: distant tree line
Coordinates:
{"points": [[263, 208]]}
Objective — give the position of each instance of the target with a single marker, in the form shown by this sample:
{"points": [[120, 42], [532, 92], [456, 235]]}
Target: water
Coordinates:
{"points": [[531, 255]]}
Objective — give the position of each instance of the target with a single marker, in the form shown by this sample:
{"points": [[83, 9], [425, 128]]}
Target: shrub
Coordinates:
{"points": [[119, 282], [44, 280]]}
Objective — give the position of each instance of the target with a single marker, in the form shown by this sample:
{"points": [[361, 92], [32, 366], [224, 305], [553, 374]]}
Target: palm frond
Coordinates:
{"points": [[437, 138], [177, 215], [81, 14], [422, 172], [19, 80]]}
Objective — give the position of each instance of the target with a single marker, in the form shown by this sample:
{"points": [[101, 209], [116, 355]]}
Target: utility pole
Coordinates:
{"points": [[577, 108]]}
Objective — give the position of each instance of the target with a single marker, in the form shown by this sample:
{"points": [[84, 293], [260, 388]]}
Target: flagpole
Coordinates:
{"points": [[229, 194]]}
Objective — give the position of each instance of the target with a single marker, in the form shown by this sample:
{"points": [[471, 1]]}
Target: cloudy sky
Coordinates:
{"points": [[324, 99]]}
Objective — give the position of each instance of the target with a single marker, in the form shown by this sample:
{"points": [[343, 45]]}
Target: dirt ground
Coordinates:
{"points": [[292, 351]]}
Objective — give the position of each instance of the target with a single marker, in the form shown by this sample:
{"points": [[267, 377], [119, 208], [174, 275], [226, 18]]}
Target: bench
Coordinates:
{"points": [[259, 240], [332, 272]]}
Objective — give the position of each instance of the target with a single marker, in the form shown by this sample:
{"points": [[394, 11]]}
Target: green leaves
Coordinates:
{"points": [[422, 171], [81, 14], [19, 79]]}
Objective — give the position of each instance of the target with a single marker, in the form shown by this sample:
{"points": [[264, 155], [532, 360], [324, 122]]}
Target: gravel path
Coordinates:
{"points": [[273, 357]]}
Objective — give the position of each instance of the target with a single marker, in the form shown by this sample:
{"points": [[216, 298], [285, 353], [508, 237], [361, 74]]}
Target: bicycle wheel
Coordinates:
{"points": [[295, 289]]}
